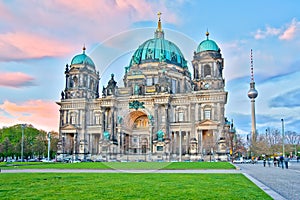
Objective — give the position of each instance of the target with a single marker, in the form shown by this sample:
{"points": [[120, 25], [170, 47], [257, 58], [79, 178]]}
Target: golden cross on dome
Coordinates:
{"points": [[159, 14], [159, 22]]}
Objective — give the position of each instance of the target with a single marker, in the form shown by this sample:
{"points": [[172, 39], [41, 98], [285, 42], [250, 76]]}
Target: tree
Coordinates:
{"points": [[35, 141], [7, 148]]}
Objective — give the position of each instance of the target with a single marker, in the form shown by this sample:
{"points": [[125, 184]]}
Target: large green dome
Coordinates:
{"points": [[158, 49], [207, 45], [82, 59]]}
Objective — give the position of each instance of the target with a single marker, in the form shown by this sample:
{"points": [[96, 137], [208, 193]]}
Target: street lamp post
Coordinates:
{"points": [[63, 147], [232, 135], [48, 137], [282, 126], [22, 144]]}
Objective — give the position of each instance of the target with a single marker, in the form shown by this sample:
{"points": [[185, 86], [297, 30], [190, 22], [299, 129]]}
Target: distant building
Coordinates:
{"points": [[161, 113]]}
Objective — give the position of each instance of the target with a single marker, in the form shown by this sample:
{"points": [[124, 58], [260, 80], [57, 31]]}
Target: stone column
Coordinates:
{"points": [[167, 121], [193, 114], [151, 139], [103, 122], [201, 142], [180, 145], [112, 123], [187, 137], [171, 142], [156, 117], [119, 138], [74, 147], [175, 142]]}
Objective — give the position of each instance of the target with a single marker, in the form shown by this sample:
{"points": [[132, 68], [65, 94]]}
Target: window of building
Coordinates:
{"points": [[155, 80], [180, 116], [75, 80], [163, 119], [207, 114], [73, 119], [159, 148], [149, 81], [97, 119], [174, 82], [207, 71]]}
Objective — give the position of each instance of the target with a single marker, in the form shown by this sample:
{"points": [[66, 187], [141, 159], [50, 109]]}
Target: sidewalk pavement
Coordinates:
{"points": [[284, 182]]}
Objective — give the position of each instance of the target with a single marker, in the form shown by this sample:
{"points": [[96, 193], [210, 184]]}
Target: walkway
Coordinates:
{"points": [[285, 182]]}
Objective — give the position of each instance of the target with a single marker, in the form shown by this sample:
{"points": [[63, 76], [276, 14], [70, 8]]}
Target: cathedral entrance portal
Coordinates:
{"points": [[208, 142], [138, 134]]}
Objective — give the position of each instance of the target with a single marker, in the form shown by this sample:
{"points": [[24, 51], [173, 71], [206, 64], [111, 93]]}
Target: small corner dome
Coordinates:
{"points": [[82, 59], [207, 45]]}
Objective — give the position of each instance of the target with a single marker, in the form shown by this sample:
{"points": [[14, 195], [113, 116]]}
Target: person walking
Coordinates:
{"points": [[269, 162], [286, 162], [281, 162], [275, 162], [264, 162]]}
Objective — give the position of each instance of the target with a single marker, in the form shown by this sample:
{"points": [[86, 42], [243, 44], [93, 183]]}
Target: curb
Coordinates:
{"points": [[265, 188]]}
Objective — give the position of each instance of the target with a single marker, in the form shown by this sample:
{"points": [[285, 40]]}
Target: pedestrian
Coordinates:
{"points": [[264, 162], [269, 162], [275, 162], [298, 157], [281, 162], [286, 162]]}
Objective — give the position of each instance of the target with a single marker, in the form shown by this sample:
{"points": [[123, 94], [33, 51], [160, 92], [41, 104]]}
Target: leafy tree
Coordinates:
{"points": [[35, 142]]}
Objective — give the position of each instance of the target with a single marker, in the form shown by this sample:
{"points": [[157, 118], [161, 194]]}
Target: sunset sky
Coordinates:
{"points": [[38, 38]]}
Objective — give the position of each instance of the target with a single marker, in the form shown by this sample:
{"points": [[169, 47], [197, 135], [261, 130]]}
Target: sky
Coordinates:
{"points": [[38, 38]]}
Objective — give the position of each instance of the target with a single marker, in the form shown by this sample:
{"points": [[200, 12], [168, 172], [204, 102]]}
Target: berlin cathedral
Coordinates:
{"points": [[163, 112]]}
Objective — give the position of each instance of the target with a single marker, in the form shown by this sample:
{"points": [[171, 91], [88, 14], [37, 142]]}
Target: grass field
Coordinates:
{"points": [[119, 165], [127, 186]]}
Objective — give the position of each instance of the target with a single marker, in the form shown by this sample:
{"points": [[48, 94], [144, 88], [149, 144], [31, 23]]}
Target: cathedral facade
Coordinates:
{"points": [[162, 112]]}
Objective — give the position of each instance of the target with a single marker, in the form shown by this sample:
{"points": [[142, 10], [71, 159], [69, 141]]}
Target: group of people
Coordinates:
{"points": [[278, 162]]}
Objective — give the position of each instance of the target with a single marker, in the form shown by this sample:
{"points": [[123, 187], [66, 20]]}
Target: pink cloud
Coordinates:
{"points": [[41, 114], [290, 32], [118, 10], [22, 45], [262, 34], [50, 28], [15, 79], [283, 34]]}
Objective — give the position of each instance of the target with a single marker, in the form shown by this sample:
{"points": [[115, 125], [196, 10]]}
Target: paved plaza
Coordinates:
{"points": [[285, 182]]}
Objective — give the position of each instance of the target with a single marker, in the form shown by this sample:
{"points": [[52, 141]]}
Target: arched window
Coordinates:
{"points": [[207, 71], [75, 80], [97, 118]]}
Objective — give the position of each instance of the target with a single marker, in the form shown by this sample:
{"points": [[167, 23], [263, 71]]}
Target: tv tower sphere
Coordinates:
{"points": [[252, 93]]}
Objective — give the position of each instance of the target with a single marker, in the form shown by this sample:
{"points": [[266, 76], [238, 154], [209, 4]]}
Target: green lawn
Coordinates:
{"points": [[119, 165], [127, 186]]}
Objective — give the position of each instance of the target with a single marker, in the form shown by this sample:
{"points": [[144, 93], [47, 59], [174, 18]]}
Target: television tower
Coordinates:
{"points": [[252, 94]]}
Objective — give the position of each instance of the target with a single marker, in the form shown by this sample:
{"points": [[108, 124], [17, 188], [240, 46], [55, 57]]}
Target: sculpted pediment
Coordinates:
{"points": [[208, 124], [68, 127]]}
